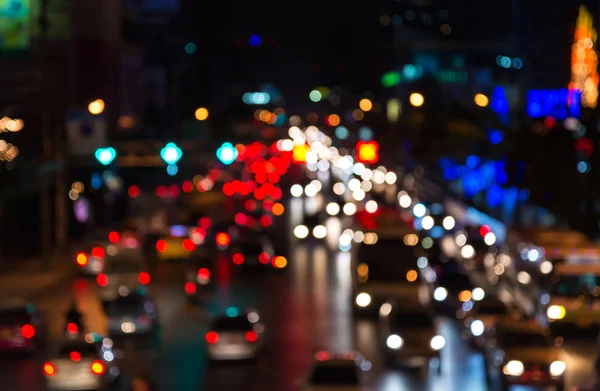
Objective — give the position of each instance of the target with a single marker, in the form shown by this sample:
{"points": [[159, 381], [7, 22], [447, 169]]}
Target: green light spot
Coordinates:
{"points": [[391, 79], [315, 96]]}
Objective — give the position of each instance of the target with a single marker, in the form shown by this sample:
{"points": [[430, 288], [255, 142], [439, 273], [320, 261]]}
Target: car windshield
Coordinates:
{"points": [[387, 261], [118, 266], [415, 320], [334, 375], [249, 248], [83, 348], [14, 317], [523, 339], [492, 309], [129, 303], [236, 323], [574, 285]]}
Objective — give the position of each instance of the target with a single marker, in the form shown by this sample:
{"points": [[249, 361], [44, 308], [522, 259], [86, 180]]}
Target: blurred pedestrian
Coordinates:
{"points": [[142, 382]]}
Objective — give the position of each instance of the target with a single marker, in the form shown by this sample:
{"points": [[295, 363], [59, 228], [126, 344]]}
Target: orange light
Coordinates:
{"points": [[82, 259], [161, 246], [365, 104], [98, 367], [411, 276], [49, 369], [368, 152], [223, 239], [333, 120], [299, 153], [279, 262], [277, 209]]}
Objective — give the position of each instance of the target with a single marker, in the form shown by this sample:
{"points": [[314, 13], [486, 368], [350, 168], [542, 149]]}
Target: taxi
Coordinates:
{"points": [[179, 243], [524, 353]]}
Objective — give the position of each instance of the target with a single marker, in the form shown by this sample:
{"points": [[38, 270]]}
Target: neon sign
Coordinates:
{"points": [[559, 104]]}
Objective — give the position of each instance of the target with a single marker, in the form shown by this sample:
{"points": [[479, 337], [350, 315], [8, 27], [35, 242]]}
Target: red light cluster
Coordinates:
{"points": [[267, 190], [243, 188]]}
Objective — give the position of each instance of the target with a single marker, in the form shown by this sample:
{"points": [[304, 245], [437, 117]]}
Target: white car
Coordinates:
{"points": [[81, 365], [235, 335], [332, 372]]}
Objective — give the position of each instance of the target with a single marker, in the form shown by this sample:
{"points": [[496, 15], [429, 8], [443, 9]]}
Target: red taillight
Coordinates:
{"points": [[72, 328], [188, 245], [98, 252], [144, 278], [27, 331], [190, 288], [114, 237], [264, 258], [102, 279], [82, 259], [75, 356], [251, 336], [161, 246], [212, 337], [204, 222], [98, 367], [238, 258], [49, 369], [203, 273]]}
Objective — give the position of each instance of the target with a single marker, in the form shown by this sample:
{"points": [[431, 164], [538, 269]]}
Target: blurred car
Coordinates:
{"points": [[131, 313], [81, 365], [475, 243], [177, 244], [235, 335], [312, 227], [252, 251], [21, 326], [331, 372], [524, 353], [124, 271], [199, 279], [409, 336], [91, 262], [485, 314], [450, 287]]}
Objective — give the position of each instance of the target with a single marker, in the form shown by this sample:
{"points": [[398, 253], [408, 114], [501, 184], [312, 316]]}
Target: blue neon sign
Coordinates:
{"points": [[559, 104]]}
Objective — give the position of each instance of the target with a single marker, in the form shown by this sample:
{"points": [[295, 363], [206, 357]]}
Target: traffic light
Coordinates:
{"points": [[106, 155], [171, 153], [367, 152], [227, 153]]}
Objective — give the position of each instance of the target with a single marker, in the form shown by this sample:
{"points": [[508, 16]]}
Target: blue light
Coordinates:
{"points": [[179, 231], [256, 98], [583, 167], [517, 63], [255, 40], [365, 133], [172, 169], [227, 153], [554, 103], [436, 209], [190, 48], [499, 102], [437, 232], [473, 161], [341, 132], [524, 195], [96, 181], [496, 136], [171, 153], [232, 312], [495, 196], [418, 224], [106, 155]]}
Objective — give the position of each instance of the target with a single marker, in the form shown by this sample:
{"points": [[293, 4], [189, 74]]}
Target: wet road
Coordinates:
{"points": [[305, 308]]}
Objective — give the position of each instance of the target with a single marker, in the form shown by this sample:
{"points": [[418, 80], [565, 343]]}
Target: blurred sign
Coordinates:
{"points": [[85, 133], [558, 104], [14, 24]]}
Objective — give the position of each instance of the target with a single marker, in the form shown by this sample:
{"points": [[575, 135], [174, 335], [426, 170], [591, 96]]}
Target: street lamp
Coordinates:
{"points": [[416, 99], [96, 107], [201, 114]]}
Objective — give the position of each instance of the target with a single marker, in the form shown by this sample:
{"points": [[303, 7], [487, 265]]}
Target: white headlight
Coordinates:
{"points": [[385, 309], [448, 223], [477, 328], [333, 209], [427, 223], [394, 342], [489, 238], [363, 299], [514, 368], [557, 368], [437, 342], [478, 294], [319, 231], [440, 294], [296, 190], [301, 231]]}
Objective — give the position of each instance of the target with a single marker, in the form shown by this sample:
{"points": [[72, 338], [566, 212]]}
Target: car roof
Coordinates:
{"points": [[526, 327]]}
